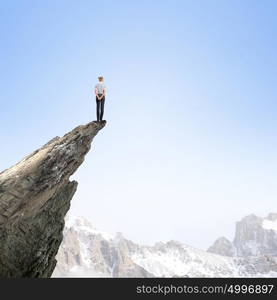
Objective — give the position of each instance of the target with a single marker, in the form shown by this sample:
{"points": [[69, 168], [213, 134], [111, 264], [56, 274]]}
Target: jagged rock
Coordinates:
{"points": [[253, 237], [35, 195]]}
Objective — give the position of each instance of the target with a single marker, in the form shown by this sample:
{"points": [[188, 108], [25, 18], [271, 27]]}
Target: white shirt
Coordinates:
{"points": [[100, 87]]}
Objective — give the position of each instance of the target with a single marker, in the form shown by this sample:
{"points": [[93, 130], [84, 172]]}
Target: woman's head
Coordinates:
{"points": [[101, 78]]}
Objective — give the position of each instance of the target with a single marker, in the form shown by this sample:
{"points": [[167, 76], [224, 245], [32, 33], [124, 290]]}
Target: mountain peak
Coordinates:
{"points": [[250, 218], [254, 236], [222, 246], [35, 195]]}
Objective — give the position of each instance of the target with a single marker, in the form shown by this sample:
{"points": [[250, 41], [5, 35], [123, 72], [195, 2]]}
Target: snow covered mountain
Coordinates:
{"points": [[254, 236], [88, 252]]}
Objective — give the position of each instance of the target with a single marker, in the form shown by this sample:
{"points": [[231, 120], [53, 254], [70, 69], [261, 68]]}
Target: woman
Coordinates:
{"points": [[100, 92]]}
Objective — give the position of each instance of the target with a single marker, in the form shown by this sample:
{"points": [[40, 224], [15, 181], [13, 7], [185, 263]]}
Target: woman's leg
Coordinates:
{"points": [[98, 109]]}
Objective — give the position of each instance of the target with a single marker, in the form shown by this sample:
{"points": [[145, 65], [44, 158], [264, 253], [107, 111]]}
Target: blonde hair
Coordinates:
{"points": [[100, 78]]}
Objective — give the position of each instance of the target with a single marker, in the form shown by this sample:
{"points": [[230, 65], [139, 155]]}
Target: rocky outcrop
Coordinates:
{"points": [[254, 236], [35, 195]]}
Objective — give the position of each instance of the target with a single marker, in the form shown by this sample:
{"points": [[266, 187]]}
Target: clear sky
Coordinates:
{"points": [[190, 142]]}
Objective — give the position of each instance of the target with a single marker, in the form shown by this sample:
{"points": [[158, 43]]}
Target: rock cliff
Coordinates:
{"points": [[254, 236], [35, 196]]}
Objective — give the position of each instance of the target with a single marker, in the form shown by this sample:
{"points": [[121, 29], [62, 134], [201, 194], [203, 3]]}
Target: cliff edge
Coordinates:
{"points": [[35, 196]]}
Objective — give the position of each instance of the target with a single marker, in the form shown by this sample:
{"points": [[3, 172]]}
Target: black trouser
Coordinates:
{"points": [[100, 108]]}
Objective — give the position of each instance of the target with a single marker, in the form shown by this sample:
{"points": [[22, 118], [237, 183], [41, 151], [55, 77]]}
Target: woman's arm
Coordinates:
{"points": [[96, 93]]}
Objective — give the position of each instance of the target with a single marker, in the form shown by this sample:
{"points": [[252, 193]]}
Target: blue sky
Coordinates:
{"points": [[190, 143]]}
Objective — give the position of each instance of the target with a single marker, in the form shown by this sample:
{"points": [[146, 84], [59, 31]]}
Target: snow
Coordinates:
{"points": [[268, 224], [80, 272], [85, 253], [81, 224], [184, 260]]}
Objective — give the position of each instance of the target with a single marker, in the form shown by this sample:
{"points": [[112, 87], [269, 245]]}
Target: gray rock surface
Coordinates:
{"points": [[254, 236], [223, 246], [253, 239], [35, 195]]}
